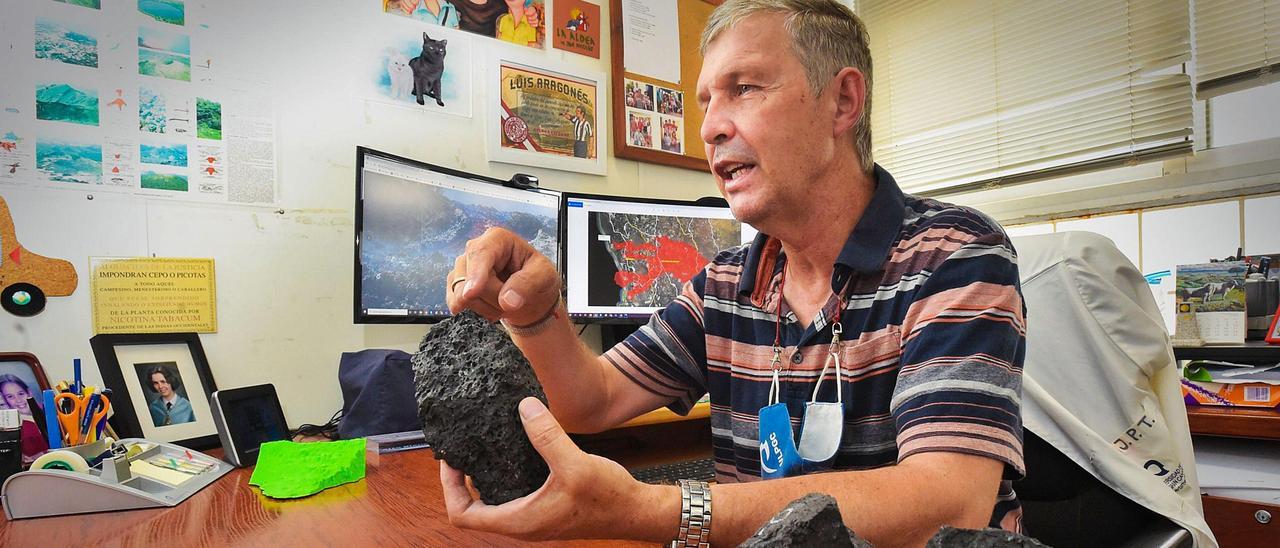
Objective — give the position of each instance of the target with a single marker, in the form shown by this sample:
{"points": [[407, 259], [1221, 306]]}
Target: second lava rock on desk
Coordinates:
{"points": [[470, 377]]}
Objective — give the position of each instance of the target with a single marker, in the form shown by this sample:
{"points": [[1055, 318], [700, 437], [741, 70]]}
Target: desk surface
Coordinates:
{"points": [[1238, 422], [399, 503]]}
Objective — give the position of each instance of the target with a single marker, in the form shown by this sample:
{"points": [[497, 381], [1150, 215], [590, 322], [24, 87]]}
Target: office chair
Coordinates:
{"points": [[1064, 506], [1106, 443]]}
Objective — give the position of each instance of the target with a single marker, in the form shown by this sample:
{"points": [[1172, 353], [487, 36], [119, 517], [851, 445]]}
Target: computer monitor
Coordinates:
{"points": [[627, 257], [413, 219]]}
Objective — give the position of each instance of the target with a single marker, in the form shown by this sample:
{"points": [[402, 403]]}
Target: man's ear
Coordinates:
{"points": [[849, 88]]}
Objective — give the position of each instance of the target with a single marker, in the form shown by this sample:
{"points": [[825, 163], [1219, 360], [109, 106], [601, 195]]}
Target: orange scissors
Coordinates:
{"points": [[76, 417]]}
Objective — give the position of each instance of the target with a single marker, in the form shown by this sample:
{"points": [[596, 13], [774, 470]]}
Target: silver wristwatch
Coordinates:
{"points": [[695, 515]]}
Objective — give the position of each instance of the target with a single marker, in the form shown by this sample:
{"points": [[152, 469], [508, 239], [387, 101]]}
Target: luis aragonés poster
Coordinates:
{"points": [[546, 117]]}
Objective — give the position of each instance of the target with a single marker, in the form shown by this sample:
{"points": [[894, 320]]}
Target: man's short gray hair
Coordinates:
{"points": [[825, 36]]}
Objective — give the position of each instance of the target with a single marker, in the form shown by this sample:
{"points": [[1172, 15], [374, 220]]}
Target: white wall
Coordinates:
{"points": [[284, 274]]}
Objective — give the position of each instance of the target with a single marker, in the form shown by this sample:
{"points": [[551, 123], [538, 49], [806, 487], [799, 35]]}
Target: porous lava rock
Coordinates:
{"points": [[951, 537], [469, 379], [812, 520]]}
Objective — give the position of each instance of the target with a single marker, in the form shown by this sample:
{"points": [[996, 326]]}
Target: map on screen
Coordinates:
{"points": [[651, 256], [415, 226]]}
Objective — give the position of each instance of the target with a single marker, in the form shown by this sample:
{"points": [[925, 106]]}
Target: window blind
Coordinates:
{"points": [[1237, 43], [981, 93]]}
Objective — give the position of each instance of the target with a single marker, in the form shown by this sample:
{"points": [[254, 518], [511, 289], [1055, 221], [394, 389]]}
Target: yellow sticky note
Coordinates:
{"points": [[163, 475]]}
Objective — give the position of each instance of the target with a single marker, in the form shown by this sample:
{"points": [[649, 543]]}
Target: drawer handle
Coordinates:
{"points": [[1263, 516]]}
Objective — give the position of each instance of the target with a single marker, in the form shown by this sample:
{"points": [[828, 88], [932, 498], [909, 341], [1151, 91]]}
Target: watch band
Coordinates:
{"points": [[695, 515]]}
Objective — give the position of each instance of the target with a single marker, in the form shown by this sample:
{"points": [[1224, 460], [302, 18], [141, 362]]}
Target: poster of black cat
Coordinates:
{"points": [[425, 70]]}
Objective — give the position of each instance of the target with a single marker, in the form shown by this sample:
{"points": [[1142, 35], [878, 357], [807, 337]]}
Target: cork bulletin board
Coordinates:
{"points": [[693, 15]]}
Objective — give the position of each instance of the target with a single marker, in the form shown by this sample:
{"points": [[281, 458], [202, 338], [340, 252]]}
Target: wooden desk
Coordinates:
{"points": [[1235, 422], [1234, 522], [399, 503], [700, 410]]}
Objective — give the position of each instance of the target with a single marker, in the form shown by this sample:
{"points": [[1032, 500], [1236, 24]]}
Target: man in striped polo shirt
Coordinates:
{"points": [[926, 295]]}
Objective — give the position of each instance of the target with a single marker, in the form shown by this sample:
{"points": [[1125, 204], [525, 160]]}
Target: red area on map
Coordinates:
{"points": [[664, 256]]}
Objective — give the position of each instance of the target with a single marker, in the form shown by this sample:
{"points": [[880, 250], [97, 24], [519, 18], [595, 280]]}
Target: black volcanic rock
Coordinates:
{"points": [[470, 377], [811, 520], [950, 537]]}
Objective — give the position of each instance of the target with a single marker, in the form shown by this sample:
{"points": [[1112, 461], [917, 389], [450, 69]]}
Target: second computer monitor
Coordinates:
{"points": [[627, 257]]}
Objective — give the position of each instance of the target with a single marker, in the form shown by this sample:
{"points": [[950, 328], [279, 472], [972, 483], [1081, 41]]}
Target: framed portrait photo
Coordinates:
{"points": [[21, 378], [160, 385]]}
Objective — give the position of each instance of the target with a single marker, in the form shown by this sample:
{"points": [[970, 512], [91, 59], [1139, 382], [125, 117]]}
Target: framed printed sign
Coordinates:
{"points": [[546, 116]]}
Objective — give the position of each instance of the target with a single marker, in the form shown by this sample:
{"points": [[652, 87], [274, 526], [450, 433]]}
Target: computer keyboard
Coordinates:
{"points": [[672, 473]]}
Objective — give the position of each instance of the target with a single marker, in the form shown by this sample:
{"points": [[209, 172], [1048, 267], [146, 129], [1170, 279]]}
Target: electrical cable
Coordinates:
{"points": [[328, 430]]}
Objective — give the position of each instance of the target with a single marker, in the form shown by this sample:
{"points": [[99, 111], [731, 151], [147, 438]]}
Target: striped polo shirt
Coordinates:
{"points": [[934, 333], [581, 128]]}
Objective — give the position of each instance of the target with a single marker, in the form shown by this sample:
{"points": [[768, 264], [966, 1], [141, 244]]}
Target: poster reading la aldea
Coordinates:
{"points": [[576, 27], [547, 113]]}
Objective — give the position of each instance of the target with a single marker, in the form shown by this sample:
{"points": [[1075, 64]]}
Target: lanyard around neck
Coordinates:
{"points": [[833, 349]]}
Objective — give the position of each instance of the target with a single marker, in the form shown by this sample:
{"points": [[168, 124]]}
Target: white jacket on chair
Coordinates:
{"points": [[1100, 381]]}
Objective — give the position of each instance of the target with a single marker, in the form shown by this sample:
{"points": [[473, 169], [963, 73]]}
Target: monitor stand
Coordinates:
{"points": [[613, 333]]}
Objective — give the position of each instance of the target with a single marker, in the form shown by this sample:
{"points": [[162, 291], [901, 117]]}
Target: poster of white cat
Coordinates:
{"points": [[426, 70]]}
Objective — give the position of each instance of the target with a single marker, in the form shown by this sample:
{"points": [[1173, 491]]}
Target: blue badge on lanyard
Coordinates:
{"points": [[778, 457]]}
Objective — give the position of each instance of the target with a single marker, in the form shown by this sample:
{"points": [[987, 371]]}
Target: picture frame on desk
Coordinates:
{"points": [[1273, 332], [160, 384], [22, 377], [24, 367]]}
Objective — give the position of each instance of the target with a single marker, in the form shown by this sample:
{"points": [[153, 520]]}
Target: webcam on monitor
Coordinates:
{"points": [[524, 180]]}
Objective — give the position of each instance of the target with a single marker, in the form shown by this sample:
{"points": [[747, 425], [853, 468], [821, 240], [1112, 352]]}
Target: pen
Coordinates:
{"points": [[77, 386], [86, 420]]}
